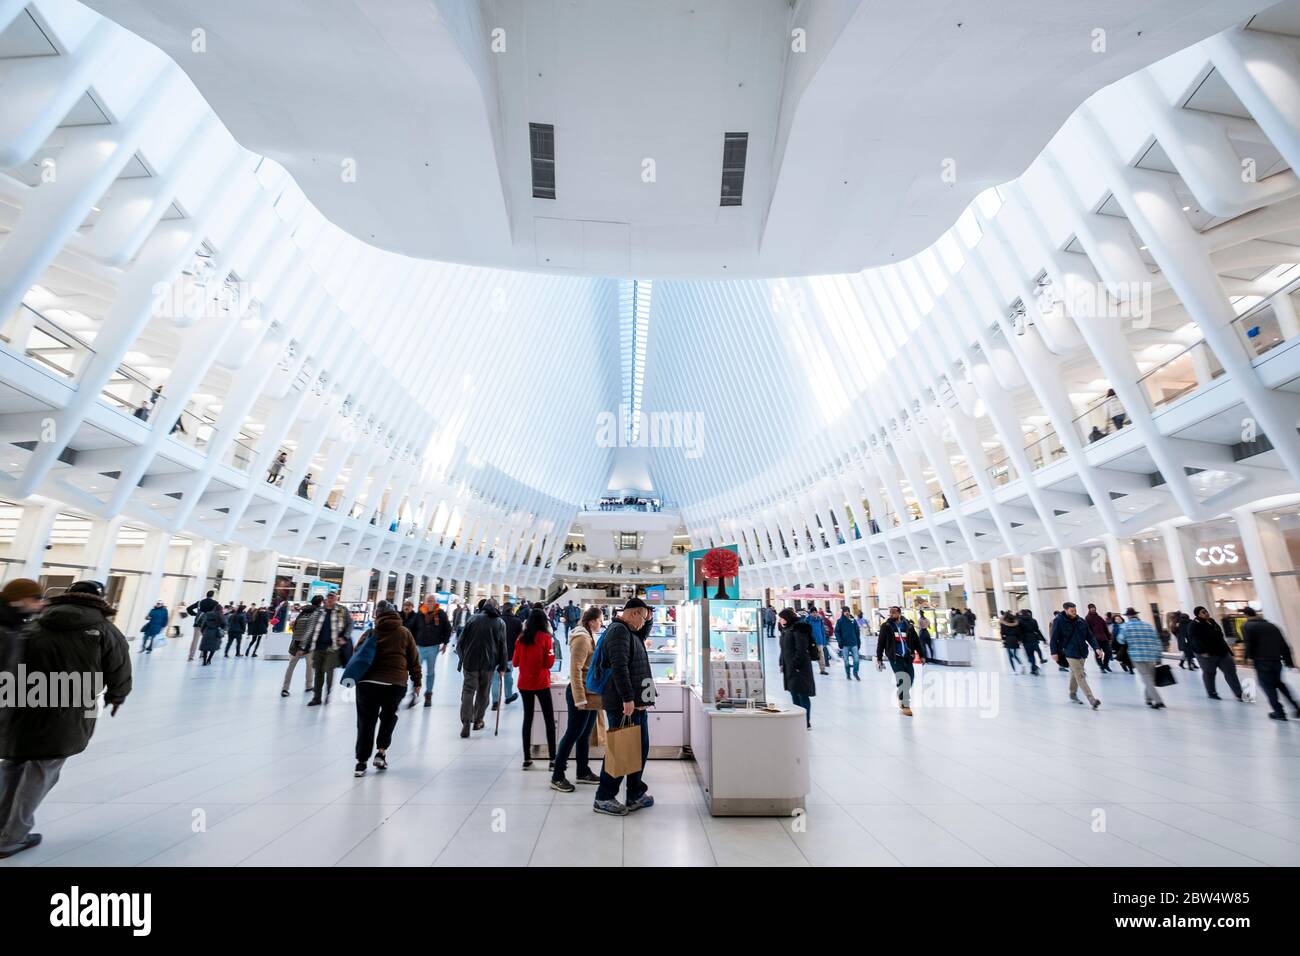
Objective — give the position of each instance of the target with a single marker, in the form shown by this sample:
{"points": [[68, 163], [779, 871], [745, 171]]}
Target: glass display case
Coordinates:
{"points": [[731, 651], [665, 650]]}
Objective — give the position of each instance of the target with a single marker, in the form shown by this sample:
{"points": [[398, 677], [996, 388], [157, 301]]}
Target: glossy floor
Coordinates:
{"points": [[211, 767]]}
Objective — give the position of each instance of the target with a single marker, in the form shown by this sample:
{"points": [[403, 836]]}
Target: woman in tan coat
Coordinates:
{"points": [[583, 709]]}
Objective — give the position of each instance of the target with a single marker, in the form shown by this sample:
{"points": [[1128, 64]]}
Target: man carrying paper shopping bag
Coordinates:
{"points": [[620, 673]]}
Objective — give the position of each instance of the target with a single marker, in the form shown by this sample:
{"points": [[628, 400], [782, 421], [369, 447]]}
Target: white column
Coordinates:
{"points": [[1257, 558], [198, 565], [152, 564], [1178, 567], [32, 537], [972, 581], [1117, 554], [1278, 558], [232, 578], [1073, 590], [1032, 584], [1287, 320], [1000, 570], [100, 547], [259, 576]]}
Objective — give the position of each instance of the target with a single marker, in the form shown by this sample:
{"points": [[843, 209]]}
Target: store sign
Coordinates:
{"points": [[1216, 555]]}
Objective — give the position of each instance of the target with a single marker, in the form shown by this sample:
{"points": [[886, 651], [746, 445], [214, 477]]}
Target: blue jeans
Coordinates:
{"points": [[851, 657], [804, 701], [429, 664], [1014, 658], [576, 735], [510, 685], [636, 789]]}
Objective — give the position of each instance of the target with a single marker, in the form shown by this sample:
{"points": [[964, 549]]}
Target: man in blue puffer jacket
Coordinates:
{"points": [[1070, 642]]}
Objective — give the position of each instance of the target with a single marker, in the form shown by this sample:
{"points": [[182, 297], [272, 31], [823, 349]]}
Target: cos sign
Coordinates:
{"points": [[1207, 557]]}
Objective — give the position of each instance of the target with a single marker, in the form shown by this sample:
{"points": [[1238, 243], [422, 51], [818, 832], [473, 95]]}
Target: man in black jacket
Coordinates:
{"points": [[1071, 639], [628, 693], [76, 649], [898, 639], [514, 623], [482, 652], [1266, 646]]}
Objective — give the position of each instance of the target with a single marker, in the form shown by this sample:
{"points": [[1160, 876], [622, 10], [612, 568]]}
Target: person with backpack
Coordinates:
{"points": [[432, 633], [898, 639], [207, 603], [849, 638], [819, 638], [236, 625], [534, 658], [584, 709], [383, 661], [797, 652], [514, 627], [155, 623], [621, 675], [572, 615], [482, 653], [259, 620], [1267, 647], [73, 635], [212, 624]]}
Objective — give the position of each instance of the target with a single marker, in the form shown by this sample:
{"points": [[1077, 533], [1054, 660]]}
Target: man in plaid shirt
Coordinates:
{"points": [[1145, 651]]}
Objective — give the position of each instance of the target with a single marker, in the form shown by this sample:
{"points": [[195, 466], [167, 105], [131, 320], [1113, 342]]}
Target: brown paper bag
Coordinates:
{"points": [[623, 750]]}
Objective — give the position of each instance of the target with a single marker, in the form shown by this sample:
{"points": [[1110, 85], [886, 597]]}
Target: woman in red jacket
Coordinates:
{"points": [[534, 656]]}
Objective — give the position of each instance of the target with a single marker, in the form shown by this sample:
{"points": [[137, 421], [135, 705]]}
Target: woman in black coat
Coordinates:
{"points": [[1010, 630], [797, 651], [259, 621], [212, 625]]}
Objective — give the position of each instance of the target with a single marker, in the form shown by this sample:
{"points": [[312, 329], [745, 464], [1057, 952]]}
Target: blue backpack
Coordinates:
{"points": [[598, 673], [361, 661]]}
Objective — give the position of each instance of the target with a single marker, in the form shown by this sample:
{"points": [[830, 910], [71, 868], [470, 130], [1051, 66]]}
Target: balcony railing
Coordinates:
{"points": [[1260, 331], [1045, 450], [1181, 375]]}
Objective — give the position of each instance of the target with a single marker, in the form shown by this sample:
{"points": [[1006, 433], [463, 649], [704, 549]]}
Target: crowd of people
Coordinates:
{"points": [[610, 681], [1136, 645]]}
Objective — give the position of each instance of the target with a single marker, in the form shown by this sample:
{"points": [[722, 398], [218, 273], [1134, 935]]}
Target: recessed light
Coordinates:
{"points": [[1187, 209]]}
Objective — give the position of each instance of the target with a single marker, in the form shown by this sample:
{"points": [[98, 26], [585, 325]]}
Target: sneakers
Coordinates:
{"points": [[479, 725], [528, 764], [34, 839], [381, 761], [588, 777], [464, 730], [643, 802], [1076, 700], [563, 785], [512, 698], [1096, 704], [1277, 715], [360, 770], [284, 693], [415, 699], [1215, 697], [428, 700], [616, 809]]}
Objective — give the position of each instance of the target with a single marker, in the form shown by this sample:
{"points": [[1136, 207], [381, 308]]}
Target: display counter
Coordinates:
{"points": [[953, 651], [666, 719], [275, 646], [750, 763]]}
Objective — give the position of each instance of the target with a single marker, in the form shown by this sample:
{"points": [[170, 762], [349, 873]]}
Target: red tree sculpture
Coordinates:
{"points": [[721, 563]]}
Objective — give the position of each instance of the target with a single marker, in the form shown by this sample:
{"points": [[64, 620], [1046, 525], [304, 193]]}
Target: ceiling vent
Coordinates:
{"points": [[541, 144], [734, 148]]}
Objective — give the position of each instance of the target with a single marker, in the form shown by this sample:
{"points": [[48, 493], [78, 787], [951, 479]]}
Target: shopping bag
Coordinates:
{"points": [[1165, 675], [623, 749]]}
